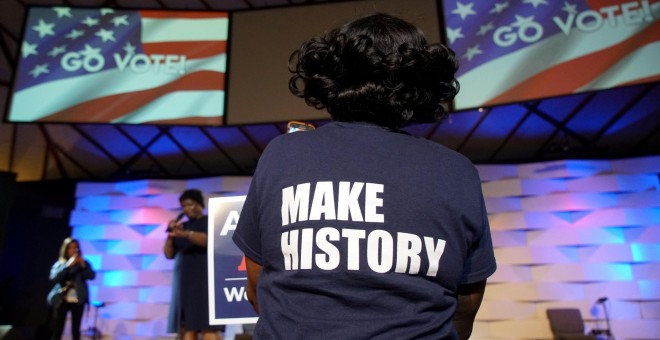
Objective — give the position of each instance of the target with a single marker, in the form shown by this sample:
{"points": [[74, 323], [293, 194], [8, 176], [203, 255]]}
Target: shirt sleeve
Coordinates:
{"points": [[480, 263], [58, 272], [246, 236]]}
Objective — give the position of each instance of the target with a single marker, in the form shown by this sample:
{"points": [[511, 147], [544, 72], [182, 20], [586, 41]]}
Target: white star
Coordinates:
{"points": [[62, 12], [39, 69], [499, 7], [28, 49], [44, 28], [75, 34], [472, 51], [120, 20], [130, 49], [523, 21], [89, 21], [57, 50], [486, 28], [453, 34], [89, 50], [535, 3], [105, 11], [105, 35], [463, 10], [569, 8]]}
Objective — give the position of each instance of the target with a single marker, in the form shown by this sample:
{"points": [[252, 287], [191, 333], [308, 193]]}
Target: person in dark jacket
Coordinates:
{"points": [[69, 275], [186, 244]]}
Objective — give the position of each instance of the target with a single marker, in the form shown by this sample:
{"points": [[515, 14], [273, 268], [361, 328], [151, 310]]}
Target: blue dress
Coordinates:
{"points": [[190, 300]]}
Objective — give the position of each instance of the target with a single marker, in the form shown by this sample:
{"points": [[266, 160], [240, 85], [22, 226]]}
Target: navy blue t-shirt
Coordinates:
{"points": [[363, 232]]}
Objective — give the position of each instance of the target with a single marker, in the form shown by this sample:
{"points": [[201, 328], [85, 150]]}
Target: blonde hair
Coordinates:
{"points": [[65, 244]]}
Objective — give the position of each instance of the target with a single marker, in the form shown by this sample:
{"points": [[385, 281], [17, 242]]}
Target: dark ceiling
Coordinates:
{"points": [[617, 123]]}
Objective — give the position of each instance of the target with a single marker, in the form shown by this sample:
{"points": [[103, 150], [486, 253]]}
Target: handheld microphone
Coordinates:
{"points": [[180, 216], [177, 219], [602, 299]]}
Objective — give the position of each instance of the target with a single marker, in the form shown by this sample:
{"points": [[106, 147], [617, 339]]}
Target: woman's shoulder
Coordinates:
{"points": [[290, 144], [58, 265]]}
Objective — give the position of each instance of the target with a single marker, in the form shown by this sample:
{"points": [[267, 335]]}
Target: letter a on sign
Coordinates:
{"points": [[230, 222]]}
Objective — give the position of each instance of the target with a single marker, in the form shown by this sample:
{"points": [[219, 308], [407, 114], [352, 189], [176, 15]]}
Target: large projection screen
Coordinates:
{"points": [[263, 40], [513, 51], [100, 65]]}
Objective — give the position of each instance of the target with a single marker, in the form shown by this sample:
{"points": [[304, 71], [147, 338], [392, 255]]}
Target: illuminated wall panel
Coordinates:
{"points": [[560, 291], [106, 232], [506, 310], [568, 202], [502, 188], [505, 221], [613, 183], [508, 273], [638, 329], [153, 294], [508, 329], [111, 295], [566, 233], [535, 255], [651, 310], [509, 238], [626, 290], [583, 230], [512, 292], [563, 169], [502, 204], [534, 186], [134, 310], [104, 203]]}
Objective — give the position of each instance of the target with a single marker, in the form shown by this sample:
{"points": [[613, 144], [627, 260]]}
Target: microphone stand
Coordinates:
{"points": [[94, 332], [595, 313], [608, 331]]}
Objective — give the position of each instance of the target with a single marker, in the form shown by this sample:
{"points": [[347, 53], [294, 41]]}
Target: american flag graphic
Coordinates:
{"points": [[121, 66], [516, 50]]}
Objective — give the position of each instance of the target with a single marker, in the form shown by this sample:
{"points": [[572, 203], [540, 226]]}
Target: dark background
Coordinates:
{"points": [[34, 220]]}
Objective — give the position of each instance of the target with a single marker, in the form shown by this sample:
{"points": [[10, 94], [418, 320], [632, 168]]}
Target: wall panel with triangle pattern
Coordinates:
{"points": [[566, 233]]}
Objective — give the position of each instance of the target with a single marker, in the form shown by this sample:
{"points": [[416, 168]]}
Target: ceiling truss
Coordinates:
{"points": [[617, 123]]}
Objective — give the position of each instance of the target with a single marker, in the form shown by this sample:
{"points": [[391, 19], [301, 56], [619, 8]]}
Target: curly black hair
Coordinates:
{"points": [[378, 69], [193, 194]]}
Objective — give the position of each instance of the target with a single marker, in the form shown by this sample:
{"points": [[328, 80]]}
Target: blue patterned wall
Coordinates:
{"points": [[566, 233]]}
